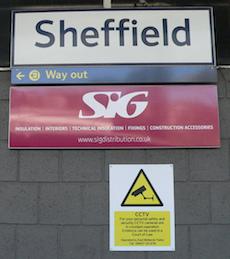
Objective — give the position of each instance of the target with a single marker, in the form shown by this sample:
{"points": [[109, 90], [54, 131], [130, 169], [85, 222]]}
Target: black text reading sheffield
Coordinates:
{"points": [[126, 28]]}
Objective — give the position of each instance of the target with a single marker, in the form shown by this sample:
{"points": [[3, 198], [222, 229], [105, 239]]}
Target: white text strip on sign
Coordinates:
{"points": [[151, 36]]}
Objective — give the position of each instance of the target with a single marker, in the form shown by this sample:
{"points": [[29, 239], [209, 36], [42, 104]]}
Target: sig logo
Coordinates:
{"points": [[109, 104]]}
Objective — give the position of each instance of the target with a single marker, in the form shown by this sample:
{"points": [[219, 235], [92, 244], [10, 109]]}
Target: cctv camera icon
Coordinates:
{"points": [[140, 191]]}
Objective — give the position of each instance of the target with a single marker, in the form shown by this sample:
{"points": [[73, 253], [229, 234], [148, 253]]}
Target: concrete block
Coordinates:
{"points": [[83, 165], [221, 83], [228, 88], [39, 165], [5, 82], [95, 203], [18, 203], [117, 254], [182, 247], [210, 164], [224, 105], [220, 197], [4, 119], [8, 162], [124, 255], [7, 242], [210, 242], [81, 242], [226, 73], [177, 157], [60, 203], [36, 242], [123, 157], [192, 203]]}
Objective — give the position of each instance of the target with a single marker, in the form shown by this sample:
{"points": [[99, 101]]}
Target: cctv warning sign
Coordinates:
{"points": [[142, 193], [142, 219]]}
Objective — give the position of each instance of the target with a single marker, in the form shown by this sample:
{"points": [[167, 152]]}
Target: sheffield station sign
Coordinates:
{"points": [[96, 46], [112, 37]]}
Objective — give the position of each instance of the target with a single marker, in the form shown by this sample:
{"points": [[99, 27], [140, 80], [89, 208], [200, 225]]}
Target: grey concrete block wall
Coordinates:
{"points": [[38, 166], [36, 242], [210, 241], [81, 242], [7, 241], [60, 203], [18, 202], [54, 204]]}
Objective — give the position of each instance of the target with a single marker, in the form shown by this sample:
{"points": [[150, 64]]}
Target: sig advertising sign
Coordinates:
{"points": [[132, 36], [114, 117], [142, 207]]}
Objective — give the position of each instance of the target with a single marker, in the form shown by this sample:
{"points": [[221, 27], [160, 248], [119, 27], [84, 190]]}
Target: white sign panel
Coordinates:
{"points": [[150, 36], [142, 208]]}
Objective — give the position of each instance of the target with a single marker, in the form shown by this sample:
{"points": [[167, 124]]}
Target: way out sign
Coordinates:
{"points": [[142, 208]]}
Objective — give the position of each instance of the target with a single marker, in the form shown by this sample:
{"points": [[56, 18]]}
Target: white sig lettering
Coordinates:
{"points": [[117, 105]]}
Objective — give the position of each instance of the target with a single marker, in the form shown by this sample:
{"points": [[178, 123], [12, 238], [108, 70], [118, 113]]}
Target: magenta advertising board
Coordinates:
{"points": [[122, 117]]}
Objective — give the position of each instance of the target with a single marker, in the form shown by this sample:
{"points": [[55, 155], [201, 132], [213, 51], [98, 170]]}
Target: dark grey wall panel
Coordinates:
{"points": [[222, 31], [54, 204], [19, 3], [4, 37]]}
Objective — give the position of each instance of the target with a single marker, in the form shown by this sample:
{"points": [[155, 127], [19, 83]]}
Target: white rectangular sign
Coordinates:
{"points": [[132, 36], [142, 207]]}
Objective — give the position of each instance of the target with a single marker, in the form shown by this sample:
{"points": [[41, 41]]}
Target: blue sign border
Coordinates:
{"points": [[78, 75]]}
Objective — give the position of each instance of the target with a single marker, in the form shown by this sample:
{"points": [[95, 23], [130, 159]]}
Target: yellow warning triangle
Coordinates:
{"points": [[142, 193]]}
